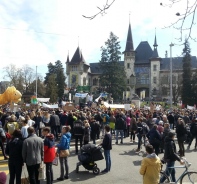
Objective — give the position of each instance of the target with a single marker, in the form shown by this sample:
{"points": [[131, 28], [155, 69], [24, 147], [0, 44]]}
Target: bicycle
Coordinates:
{"points": [[185, 178]]}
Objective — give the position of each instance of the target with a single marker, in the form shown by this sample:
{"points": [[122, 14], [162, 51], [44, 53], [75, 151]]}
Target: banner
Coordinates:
{"points": [[81, 95], [55, 106], [127, 107], [146, 107], [190, 107], [43, 99]]}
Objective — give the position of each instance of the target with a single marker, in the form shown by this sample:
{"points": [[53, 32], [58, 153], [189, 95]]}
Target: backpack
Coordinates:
{"points": [[145, 129], [11, 128]]}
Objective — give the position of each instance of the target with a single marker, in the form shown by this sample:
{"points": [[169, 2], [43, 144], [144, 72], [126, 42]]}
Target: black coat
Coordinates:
{"points": [[120, 124], [180, 131], [54, 120], [152, 135], [170, 150]]}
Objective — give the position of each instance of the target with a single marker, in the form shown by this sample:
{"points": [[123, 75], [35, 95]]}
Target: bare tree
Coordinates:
{"points": [[102, 10], [180, 24], [28, 75]]}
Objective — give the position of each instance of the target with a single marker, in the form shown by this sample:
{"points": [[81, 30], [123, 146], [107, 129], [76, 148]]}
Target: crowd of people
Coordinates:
{"points": [[37, 136]]}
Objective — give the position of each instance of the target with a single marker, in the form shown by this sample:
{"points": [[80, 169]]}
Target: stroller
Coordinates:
{"points": [[89, 154]]}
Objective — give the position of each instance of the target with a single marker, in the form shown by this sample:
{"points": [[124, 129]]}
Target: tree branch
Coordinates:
{"points": [[102, 11], [189, 11]]}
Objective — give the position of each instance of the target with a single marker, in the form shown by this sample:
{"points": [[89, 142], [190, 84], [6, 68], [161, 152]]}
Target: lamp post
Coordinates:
{"points": [[36, 82], [171, 45]]}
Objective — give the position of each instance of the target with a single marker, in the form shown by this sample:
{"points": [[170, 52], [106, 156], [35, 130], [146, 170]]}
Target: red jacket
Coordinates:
{"points": [[49, 148]]}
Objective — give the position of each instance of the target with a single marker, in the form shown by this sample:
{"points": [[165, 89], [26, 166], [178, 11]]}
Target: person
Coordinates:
{"points": [[14, 151], [32, 153], [86, 132], [12, 124], [2, 140], [107, 146], [112, 121], [128, 121], [133, 128], [150, 166], [95, 127], [193, 131], [64, 145], [181, 136], [120, 125], [38, 123], [3, 178], [54, 122], [24, 128], [78, 133], [170, 119], [170, 156], [49, 153], [30, 122], [154, 138]]}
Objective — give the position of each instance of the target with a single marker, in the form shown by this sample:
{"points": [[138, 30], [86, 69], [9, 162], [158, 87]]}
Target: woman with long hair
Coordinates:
{"points": [[14, 151], [64, 145]]}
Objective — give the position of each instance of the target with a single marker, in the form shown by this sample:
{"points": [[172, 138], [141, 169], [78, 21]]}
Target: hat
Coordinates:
{"points": [[3, 178]]}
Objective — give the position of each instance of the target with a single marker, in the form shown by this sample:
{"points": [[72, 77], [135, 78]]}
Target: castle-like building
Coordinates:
{"points": [[148, 75]]}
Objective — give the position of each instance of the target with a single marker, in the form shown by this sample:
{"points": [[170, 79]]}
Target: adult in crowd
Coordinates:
{"points": [[86, 138], [46, 118], [2, 141], [128, 123], [39, 123], [63, 119], [95, 128], [30, 122], [107, 146], [119, 127], [78, 133], [193, 130], [150, 167], [112, 121], [24, 128], [54, 123], [154, 139], [49, 153], [170, 156], [15, 162], [98, 119], [105, 121], [181, 133], [170, 120], [133, 128], [64, 145], [32, 152]]}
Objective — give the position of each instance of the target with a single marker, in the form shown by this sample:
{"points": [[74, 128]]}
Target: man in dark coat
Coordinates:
{"points": [[54, 123]]}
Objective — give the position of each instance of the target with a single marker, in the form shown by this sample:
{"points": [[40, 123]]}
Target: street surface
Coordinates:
{"points": [[125, 166]]}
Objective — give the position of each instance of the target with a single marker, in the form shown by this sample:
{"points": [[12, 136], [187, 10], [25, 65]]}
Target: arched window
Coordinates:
{"points": [[95, 82], [84, 81]]}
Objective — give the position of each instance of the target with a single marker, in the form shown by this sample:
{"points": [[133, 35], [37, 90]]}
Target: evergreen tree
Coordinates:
{"points": [[41, 88], [51, 88], [113, 76], [186, 83], [60, 78], [194, 88]]}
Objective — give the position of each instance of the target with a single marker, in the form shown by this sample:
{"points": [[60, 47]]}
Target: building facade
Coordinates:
{"points": [[148, 75]]}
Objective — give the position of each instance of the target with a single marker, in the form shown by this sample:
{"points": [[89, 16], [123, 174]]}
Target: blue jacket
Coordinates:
{"points": [[152, 135], [64, 142]]}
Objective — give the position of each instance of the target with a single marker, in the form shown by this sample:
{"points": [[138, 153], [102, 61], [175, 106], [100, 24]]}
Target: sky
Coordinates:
{"points": [[41, 31]]}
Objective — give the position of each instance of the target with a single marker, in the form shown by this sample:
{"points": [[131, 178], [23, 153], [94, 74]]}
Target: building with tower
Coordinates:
{"points": [[148, 75]]}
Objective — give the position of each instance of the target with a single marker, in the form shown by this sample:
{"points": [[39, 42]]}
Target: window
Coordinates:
{"points": [[84, 81], [128, 65], [128, 81], [154, 68], [128, 54], [95, 82], [164, 80], [74, 68], [155, 80]]}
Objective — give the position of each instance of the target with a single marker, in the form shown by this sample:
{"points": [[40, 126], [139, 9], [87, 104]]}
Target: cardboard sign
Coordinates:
{"points": [[68, 107], [94, 105]]}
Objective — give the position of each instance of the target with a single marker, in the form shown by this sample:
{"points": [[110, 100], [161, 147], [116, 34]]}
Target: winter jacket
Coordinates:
{"points": [[49, 148], [170, 119], [95, 128], [14, 151], [180, 131], [54, 120], [78, 128], [170, 150], [64, 142], [87, 134], [153, 136], [63, 119], [150, 169], [107, 142], [120, 124]]}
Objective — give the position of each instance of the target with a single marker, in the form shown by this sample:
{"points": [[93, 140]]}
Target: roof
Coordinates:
{"points": [[143, 52], [95, 68], [77, 57], [129, 45], [177, 63]]}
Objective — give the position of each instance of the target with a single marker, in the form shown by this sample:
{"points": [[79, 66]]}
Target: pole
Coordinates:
{"points": [[171, 45], [36, 82]]}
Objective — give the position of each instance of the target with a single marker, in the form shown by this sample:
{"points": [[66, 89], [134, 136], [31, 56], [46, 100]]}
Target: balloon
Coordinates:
{"points": [[11, 95]]}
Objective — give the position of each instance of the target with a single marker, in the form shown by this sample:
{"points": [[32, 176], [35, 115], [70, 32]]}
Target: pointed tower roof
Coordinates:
{"points": [[155, 53], [77, 57], [129, 45], [68, 60]]}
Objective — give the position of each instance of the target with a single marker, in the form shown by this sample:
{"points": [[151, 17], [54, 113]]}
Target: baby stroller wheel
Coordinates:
{"points": [[96, 170], [77, 169]]}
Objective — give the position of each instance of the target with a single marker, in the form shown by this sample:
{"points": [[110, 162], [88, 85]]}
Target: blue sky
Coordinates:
{"points": [[25, 26]]}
